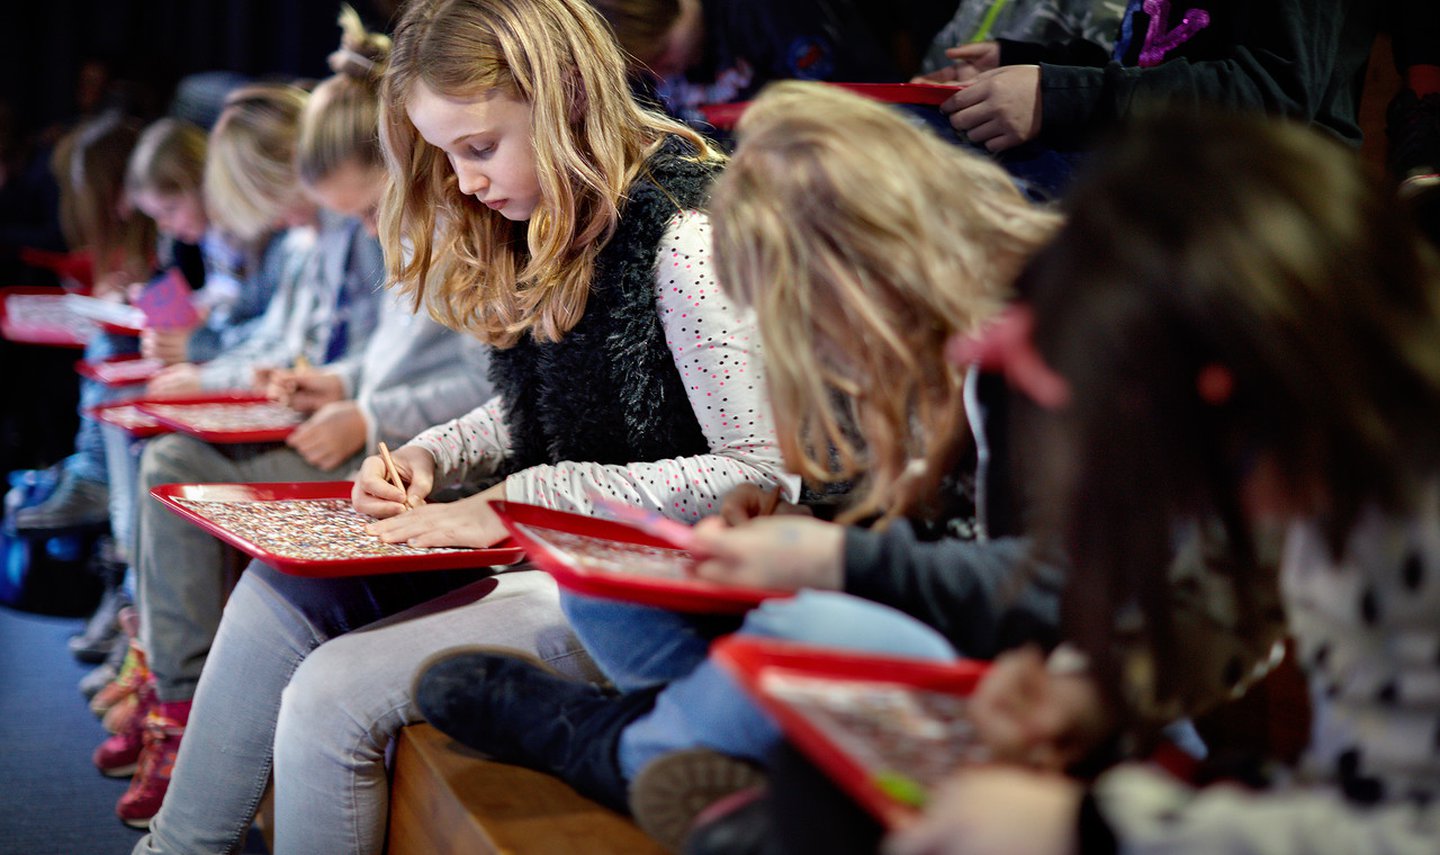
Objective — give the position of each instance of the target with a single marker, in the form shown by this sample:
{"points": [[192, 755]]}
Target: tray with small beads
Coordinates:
{"points": [[311, 529], [621, 561]]}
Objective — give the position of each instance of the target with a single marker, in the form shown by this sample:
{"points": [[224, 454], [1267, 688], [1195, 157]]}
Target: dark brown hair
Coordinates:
{"points": [[1264, 249]]}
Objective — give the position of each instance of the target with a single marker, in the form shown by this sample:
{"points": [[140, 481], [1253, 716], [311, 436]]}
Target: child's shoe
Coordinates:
{"points": [[672, 791], [164, 727], [515, 709], [118, 756], [133, 672]]}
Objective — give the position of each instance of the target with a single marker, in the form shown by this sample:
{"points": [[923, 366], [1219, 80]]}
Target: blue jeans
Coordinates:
{"points": [[88, 461], [703, 706], [637, 647], [316, 674]]}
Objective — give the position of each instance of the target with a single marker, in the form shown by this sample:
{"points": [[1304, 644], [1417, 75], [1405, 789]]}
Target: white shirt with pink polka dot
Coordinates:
{"points": [[716, 347]]}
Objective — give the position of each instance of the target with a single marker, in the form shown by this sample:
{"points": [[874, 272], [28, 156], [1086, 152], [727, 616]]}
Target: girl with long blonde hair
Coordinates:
{"points": [[864, 244], [534, 204]]}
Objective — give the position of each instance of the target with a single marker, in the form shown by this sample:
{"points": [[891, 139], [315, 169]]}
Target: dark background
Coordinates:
{"points": [[153, 43]]}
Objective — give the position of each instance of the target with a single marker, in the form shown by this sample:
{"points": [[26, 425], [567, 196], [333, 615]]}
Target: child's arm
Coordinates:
{"points": [[716, 349], [469, 448]]}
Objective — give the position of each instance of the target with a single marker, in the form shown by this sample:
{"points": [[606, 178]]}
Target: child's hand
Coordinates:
{"points": [[748, 501], [168, 346], [780, 552], [305, 390], [966, 63], [329, 437], [1000, 109], [1025, 713], [373, 494], [260, 376], [469, 522], [176, 380], [995, 810]]}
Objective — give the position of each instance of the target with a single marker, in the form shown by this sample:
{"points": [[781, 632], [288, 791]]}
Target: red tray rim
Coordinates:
{"points": [[168, 494], [748, 658], [688, 596], [237, 396], [726, 114]]}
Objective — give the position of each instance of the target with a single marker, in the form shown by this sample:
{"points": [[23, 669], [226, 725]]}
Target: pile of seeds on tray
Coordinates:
{"points": [[129, 417], [239, 416], [47, 312], [888, 729], [305, 529], [128, 370], [610, 556]]}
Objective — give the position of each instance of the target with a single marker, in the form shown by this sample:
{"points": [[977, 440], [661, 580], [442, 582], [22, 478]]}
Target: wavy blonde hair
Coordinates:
{"points": [[591, 140], [341, 120], [169, 160], [864, 242], [250, 173]]}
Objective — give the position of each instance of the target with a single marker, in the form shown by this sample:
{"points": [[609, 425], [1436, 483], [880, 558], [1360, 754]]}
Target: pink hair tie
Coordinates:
{"points": [[1004, 345]]}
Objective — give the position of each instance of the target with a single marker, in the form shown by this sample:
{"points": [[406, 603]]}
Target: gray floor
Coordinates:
{"points": [[53, 801]]}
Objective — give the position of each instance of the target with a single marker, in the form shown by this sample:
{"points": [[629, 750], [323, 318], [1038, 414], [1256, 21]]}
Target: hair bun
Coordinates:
{"points": [[352, 64]]}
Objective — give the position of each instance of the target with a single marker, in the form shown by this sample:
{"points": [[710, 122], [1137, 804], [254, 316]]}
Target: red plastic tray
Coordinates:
{"points": [[926, 94], [70, 330], [751, 659], [528, 524], [725, 116], [103, 312], [129, 370], [127, 416], [179, 423], [169, 494]]}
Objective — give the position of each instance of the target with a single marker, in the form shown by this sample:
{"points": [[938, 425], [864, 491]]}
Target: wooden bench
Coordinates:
{"points": [[446, 799]]}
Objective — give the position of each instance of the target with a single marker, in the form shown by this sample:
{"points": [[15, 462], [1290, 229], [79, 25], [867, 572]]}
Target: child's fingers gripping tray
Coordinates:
{"points": [[886, 730], [311, 529], [620, 561]]}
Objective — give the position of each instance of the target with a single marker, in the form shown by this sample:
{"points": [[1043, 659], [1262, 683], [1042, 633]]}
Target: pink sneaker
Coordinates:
{"points": [[118, 756], [164, 727]]}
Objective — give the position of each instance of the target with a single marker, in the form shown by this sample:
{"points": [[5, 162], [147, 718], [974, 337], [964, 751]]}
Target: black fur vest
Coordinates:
{"points": [[609, 391]]}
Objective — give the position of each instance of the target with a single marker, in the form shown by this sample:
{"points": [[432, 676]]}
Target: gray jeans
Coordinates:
{"points": [[180, 568], [297, 675]]}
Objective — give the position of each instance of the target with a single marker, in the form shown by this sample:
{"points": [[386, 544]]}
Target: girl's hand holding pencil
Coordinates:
{"points": [[467, 523], [391, 484]]}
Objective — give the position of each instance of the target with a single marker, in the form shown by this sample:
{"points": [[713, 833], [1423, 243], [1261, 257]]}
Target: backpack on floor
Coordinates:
{"points": [[49, 574]]}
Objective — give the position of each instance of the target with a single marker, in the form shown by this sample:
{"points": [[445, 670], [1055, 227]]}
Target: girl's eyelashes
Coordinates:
{"points": [[482, 152]]}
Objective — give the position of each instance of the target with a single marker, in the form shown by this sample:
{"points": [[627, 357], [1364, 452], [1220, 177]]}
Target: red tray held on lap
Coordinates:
{"points": [[308, 529], [885, 729], [605, 558]]}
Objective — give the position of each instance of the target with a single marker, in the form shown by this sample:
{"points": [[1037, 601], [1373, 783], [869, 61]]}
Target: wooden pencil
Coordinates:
{"points": [[392, 473]]}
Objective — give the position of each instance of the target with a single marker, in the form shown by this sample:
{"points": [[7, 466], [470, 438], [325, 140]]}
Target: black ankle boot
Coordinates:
{"points": [[519, 713]]}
